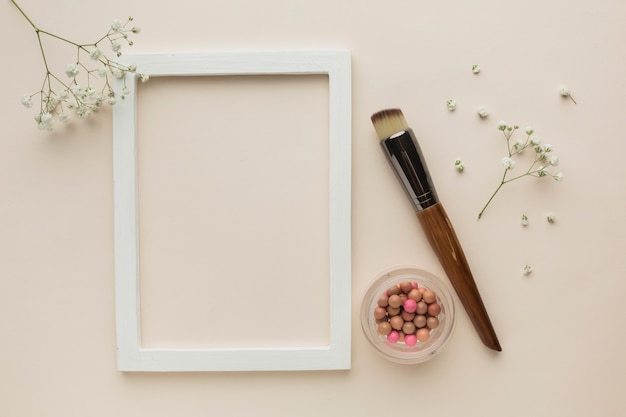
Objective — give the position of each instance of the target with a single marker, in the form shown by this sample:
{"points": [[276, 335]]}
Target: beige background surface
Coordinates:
{"points": [[560, 327]]}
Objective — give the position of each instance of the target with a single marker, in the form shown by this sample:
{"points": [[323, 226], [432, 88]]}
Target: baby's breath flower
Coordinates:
{"points": [[458, 165], [71, 70], [554, 160], [116, 26], [117, 73], [524, 220], [482, 112], [565, 92], [27, 101], [144, 77], [508, 163], [550, 217], [475, 69], [95, 54], [527, 269], [45, 121], [116, 46], [57, 96], [541, 171], [539, 166], [83, 112], [451, 104]]}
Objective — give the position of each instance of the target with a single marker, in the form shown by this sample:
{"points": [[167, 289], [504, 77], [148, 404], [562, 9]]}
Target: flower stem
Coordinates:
{"points": [[489, 201], [502, 182], [25, 15]]}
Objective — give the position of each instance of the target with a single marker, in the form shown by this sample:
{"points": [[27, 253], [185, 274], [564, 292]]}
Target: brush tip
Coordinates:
{"points": [[388, 122]]}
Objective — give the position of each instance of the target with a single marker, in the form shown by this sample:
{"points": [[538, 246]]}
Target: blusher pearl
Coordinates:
{"points": [[410, 340], [421, 308], [396, 322], [380, 313], [393, 336], [432, 322], [434, 309], [429, 296], [410, 305], [384, 328], [422, 334], [395, 301]]}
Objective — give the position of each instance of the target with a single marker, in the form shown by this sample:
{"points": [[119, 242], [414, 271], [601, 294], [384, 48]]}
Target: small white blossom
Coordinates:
{"points": [[95, 54], [117, 73], [482, 112], [535, 140], [529, 130], [502, 125], [71, 70], [550, 217], [554, 160], [451, 104], [126, 90], [524, 220], [558, 177], [112, 100], [527, 269], [458, 165], [83, 112], [64, 118], [547, 147], [116, 26], [144, 77], [116, 46], [508, 163], [564, 91], [45, 121], [27, 101], [135, 30], [475, 69], [541, 171]]}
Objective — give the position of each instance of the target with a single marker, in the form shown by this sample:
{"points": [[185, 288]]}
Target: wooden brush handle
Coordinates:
{"points": [[444, 242]]}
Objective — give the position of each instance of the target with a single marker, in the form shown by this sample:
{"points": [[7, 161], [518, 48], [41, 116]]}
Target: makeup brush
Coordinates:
{"points": [[406, 159]]}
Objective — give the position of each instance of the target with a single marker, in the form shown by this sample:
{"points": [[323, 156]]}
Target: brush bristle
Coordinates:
{"points": [[389, 122]]}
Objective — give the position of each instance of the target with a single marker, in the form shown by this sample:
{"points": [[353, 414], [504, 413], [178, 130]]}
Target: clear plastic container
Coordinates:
{"points": [[400, 352]]}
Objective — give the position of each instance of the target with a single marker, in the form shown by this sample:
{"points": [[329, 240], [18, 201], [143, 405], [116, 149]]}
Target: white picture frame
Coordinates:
{"points": [[131, 355]]}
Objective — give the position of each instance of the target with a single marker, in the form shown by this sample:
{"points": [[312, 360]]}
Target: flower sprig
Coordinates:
{"points": [[86, 84], [542, 162]]}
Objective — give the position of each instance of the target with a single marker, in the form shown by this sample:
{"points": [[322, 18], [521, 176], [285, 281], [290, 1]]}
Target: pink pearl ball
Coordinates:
{"points": [[410, 305], [410, 340], [393, 336]]}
